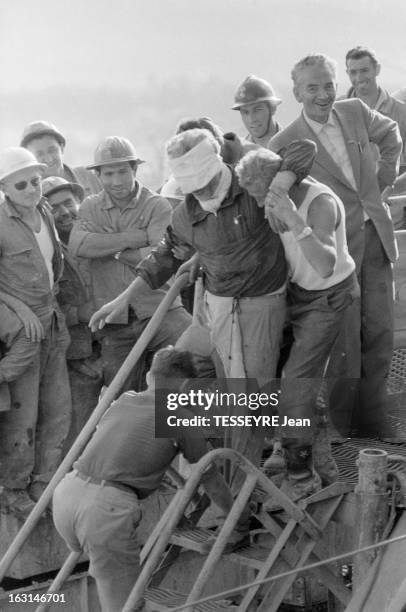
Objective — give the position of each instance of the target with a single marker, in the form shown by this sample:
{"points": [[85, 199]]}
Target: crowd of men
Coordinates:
{"points": [[292, 231]]}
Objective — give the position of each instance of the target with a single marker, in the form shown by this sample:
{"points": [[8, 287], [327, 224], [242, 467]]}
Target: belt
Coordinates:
{"points": [[108, 483]]}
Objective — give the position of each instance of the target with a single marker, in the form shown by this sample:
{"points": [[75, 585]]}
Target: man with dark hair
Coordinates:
{"points": [[115, 230], [363, 68], [232, 147], [97, 507]]}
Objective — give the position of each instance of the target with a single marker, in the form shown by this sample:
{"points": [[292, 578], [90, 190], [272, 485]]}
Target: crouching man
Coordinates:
{"points": [[97, 507]]}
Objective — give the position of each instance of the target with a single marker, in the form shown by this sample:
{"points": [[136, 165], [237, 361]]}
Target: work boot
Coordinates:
{"points": [[300, 480], [323, 460], [276, 462]]}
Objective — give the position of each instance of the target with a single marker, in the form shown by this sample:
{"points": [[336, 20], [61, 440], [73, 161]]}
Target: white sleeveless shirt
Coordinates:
{"points": [[301, 271], [47, 249]]}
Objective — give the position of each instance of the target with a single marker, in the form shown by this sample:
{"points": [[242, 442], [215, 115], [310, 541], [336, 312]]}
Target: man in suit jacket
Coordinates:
{"points": [[343, 132]]}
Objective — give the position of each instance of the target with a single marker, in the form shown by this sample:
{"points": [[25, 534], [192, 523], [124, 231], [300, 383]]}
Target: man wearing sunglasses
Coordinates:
{"points": [[33, 431]]}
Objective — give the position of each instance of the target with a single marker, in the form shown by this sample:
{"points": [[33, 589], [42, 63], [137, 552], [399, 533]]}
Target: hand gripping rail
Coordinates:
{"points": [[84, 436]]}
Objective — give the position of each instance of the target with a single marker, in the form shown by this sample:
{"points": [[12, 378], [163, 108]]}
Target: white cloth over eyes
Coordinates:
{"points": [[197, 167]]}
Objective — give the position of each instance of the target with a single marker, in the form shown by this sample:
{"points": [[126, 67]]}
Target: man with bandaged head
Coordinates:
{"points": [[244, 268]]}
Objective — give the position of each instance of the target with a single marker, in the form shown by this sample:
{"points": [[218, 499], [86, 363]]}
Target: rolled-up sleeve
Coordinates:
{"points": [[298, 157], [160, 264], [77, 236]]}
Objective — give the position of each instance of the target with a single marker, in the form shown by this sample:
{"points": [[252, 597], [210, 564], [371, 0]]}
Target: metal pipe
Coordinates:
{"points": [[372, 507]]}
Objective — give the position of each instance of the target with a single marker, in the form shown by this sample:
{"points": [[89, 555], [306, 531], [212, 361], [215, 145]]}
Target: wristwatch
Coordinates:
{"points": [[306, 231], [117, 255]]}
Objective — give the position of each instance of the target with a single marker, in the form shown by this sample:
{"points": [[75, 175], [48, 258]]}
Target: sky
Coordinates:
{"points": [[55, 55]]}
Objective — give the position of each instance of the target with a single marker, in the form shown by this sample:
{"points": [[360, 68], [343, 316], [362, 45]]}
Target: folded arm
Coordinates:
{"points": [[102, 243]]}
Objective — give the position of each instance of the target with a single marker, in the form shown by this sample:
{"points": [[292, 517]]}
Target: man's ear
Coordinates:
{"points": [[149, 378], [377, 69], [296, 93]]}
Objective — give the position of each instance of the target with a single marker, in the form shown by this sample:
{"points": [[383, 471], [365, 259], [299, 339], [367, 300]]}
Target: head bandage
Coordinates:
{"points": [[197, 167]]}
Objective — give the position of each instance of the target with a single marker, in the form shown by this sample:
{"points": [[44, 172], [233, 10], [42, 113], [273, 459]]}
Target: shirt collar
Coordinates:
{"points": [[12, 211], [316, 126], [382, 98], [133, 203]]}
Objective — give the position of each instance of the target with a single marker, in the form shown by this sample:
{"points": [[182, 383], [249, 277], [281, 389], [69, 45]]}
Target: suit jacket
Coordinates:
{"points": [[360, 126]]}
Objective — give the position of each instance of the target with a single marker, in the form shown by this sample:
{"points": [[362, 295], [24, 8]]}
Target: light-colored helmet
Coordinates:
{"points": [[52, 184], [14, 159], [253, 89], [114, 150], [37, 129]]}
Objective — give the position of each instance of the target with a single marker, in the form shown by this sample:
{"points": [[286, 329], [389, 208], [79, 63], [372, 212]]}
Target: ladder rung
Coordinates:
{"points": [[160, 600], [195, 538], [254, 556]]}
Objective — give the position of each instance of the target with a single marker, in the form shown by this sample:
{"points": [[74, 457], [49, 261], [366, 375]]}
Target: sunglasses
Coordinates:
{"points": [[21, 185]]}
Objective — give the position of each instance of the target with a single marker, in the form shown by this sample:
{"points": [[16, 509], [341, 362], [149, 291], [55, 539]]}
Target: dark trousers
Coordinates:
{"points": [[117, 341], [360, 361], [315, 317]]}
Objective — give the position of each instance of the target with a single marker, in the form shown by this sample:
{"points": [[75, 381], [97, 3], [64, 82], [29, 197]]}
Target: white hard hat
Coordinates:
{"points": [[14, 159]]}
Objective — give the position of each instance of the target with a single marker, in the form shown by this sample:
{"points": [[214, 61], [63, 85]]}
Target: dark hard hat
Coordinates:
{"points": [[114, 150], [52, 184], [253, 89], [37, 129]]}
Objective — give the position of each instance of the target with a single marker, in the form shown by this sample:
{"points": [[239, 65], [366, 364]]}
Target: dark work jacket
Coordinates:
{"points": [[239, 253]]}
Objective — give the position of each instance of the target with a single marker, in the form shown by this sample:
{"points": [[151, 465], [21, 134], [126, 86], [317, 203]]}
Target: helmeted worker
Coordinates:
{"points": [[257, 103], [32, 433], [47, 143], [75, 301], [115, 230]]}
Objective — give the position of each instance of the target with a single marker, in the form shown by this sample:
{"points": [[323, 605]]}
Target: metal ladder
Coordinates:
{"points": [[296, 532], [297, 541]]}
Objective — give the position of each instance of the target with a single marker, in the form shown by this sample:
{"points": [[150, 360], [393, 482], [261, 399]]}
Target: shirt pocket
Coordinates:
{"points": [[22, 263]]}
